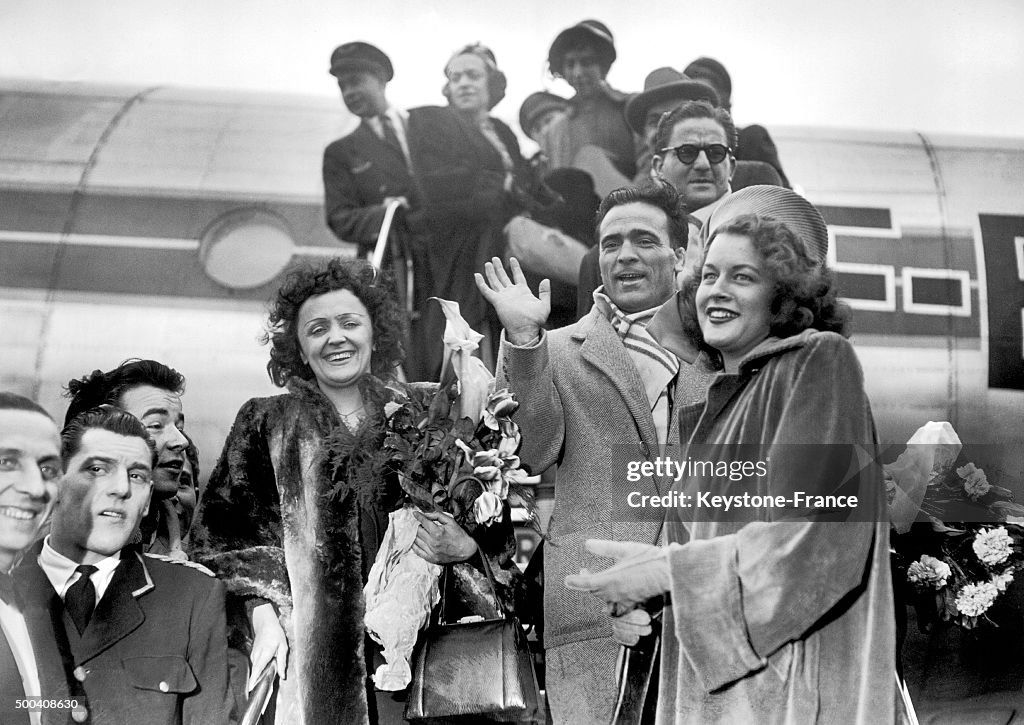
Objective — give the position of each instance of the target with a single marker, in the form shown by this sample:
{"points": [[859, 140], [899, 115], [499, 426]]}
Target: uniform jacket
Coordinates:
{"points": [[359, 171], [580, 397], [779, 617], [155, 649]]}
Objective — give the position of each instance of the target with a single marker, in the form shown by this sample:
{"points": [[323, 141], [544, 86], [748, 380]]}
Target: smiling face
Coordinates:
{"points": [[30, 470], [467, 84], [637, 261], [734, 298], [335, 335], [701, 182], [103, 496], [363, 93], [160, 411]]}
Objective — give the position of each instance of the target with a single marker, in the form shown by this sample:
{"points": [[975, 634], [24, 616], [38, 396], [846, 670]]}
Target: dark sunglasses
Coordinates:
{"points": [[687, 153]]}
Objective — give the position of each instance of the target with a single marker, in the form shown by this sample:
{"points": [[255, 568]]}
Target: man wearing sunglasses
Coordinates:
{"points": [[694, 152]]}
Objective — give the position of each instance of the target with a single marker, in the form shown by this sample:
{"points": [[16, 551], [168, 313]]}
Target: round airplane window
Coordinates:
{"points": [[246, 248]]}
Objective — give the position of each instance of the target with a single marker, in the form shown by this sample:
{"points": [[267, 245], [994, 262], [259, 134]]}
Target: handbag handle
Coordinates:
{"points": [[441, 609]]}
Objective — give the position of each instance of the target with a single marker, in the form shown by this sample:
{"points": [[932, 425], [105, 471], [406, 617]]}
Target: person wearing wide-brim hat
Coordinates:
{"points": [[582, 56], [664, 89]]}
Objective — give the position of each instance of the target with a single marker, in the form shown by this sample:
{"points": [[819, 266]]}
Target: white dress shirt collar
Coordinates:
{"points": [[60, 570]]}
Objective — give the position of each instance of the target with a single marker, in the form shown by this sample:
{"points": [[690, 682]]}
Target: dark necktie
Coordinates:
{"points": [[81, 597], [390, 137]]}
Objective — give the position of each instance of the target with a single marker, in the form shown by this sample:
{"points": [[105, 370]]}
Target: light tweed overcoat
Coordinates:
{"points": [[581, 396]]}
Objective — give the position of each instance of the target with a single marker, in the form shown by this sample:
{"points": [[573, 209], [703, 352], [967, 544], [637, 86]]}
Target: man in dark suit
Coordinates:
{"points": [[30, 469], [369, 168], [143, 638]]}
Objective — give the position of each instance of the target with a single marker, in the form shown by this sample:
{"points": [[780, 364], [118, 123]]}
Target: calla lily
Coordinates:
{"points": [[475, 380]]}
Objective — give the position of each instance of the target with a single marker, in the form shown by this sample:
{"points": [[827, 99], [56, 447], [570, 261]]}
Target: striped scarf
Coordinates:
{"points": [[656, 365]]}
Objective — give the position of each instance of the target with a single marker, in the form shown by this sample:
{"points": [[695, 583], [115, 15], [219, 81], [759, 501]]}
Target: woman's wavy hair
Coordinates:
{"points": [[496, 80], [805, 295], [374, 289]]}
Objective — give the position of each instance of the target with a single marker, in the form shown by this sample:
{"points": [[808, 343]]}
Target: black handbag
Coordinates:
{"points": [[473, 671]]}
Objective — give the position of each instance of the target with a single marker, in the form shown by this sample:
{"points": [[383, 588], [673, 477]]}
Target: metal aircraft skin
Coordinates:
{"points": [[155, 223]]}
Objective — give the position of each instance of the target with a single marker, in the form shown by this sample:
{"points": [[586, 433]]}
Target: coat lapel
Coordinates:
{"points": [[367, 140], [117, 614], [486, 153], [602, 348], [50, 645]]}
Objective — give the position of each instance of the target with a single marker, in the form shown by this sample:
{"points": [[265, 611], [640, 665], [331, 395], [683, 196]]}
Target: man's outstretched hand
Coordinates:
{"points": [[522, 313]]}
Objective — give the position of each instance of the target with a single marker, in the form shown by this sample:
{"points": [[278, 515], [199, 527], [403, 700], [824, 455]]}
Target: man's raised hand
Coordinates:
{"points": [[522, 313]]}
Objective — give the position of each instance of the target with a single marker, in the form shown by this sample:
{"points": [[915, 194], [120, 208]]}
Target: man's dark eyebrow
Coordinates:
{"points": [[97, 459], [156, 411], [11, 451], [139, 465]]}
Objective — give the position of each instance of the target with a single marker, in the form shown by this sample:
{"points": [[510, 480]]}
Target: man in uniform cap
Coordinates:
{"points": [[538, 111], [594, 135], [370, 168], [367, 169]]}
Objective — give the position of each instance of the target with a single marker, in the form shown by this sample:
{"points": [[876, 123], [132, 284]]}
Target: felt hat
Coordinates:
{"points": [[664, 84], [780, 204], [360, 56], [714, 73], [585, 32], [537, 104]]}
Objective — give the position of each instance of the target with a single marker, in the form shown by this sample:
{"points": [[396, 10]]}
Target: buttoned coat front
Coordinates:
{"points": [[155, 649]]}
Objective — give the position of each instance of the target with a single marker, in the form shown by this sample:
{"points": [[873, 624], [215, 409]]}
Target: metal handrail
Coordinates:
{"points": [[260, 695], [385, 231]]}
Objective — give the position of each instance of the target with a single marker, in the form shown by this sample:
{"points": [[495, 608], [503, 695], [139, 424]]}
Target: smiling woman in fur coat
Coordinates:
{"points": [[298, 504]]}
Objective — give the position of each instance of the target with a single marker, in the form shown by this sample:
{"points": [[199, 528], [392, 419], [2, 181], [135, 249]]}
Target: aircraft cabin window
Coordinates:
{"points": [[937, 291]]}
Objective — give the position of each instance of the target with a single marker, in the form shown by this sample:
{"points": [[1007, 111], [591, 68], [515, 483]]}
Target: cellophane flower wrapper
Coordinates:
{"points": [[968, 545], [933, 446], [400, 592]]}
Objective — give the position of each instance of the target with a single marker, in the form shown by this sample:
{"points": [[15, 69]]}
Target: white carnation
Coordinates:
{"points": [[992, 546], [975, 599]]}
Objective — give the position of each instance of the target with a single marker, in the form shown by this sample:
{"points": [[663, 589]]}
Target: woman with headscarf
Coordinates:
{"points": [[473, 180], [778, 613]]}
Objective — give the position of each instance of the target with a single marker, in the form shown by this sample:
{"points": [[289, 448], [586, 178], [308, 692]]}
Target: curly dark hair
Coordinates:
{"points": [[105, 388], [805, 295], [374, 289]]}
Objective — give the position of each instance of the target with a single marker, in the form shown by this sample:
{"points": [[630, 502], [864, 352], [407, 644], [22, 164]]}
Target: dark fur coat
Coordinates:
{"points": [[294, 513]]}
